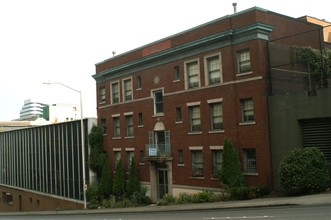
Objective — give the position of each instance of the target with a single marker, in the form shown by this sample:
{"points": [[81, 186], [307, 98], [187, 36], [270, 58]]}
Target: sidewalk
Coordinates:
{"points": [[318, 199]]}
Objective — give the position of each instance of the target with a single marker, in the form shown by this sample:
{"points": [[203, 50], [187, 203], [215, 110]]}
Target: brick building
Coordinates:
{"points": [[171, 103]]}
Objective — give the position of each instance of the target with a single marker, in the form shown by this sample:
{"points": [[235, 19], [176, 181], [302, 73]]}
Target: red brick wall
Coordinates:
{"points": [[30, 201]]}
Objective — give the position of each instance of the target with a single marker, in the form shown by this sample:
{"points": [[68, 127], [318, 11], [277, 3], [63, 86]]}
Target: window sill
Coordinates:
{"points": [[140, 126], [180, 165], [216, 132], [248, 123], [197, 177], [130, 137], [142, 164], [139, 89], [195, 133], [179, 122], [245, 73], [250, 174], [116, 138], [176, 80], [214, 179], [158, 115]]}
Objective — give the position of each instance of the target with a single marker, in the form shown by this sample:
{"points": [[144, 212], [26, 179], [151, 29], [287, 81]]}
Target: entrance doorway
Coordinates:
{"points": [[162, 182]]}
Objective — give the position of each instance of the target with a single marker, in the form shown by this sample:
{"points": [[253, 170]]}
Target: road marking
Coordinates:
{"points": [[241, 217]]}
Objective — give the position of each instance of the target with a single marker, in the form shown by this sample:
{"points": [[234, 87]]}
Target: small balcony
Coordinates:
{"points": [[158, 152]]}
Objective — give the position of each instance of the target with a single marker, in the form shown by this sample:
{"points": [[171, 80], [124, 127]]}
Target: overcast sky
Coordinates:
{"points": [[62, 40]]}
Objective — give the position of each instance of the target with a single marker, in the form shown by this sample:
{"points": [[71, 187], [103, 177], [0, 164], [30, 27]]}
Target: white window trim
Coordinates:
{"points": [[123, 89], [206, 67], [129, 149], [102, 101], [117, 149], [193, 103], [185, 72], [195, 147], [211, 101], [128, 113], [153, 98], [238, 60], [217, 147], [111, 92]]}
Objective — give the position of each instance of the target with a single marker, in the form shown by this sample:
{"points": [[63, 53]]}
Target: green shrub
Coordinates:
{"points": [[139, 197], [258, 191], [92, 192], [204, 196], [240, 193], [231, 174], [167, 199], [93, 204], [304, 171], [184, 198]]}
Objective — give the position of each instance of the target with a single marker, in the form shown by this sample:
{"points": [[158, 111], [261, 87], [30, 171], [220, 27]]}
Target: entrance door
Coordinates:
{"points": [[162, 182]]}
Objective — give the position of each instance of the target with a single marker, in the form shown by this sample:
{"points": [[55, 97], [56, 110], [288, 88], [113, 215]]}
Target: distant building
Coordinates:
{"points": [[56, 113], [31, 110], [41, 167]]}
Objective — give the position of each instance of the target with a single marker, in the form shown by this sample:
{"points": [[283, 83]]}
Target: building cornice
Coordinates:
{"points": [[226, 38]]}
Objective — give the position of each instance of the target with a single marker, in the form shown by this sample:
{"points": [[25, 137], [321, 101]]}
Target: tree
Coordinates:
{"points": [[106, 181], [119, 181], [231, 175], [304, 171], [133, 180], [95, 137]]}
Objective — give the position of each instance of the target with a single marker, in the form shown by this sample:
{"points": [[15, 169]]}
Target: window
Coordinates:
{"points": [[102, 94], [178, 114], [217, 162], [195, 122], [192, 74], [250, 161], [176, 73], [140, 119], [117, 128], [138, 82], [213, 70], [127, 90], [104, 126], [197, 163], [7, 198], [142, 156], [130, 155], [158, 101], [129, 125], [216, 115], [180, 157], [244, 61], [117, 156], [247, 109], [115, 93]]}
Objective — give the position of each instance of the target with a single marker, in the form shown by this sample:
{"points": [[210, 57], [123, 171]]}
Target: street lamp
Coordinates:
{"points": [[82, 134]]}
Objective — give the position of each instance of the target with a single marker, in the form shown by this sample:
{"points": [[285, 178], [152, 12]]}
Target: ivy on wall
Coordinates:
{"points": [[317, 62]]}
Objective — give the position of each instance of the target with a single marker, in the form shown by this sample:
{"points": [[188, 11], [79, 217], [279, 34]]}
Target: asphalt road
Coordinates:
{"points": [[320, 212]]}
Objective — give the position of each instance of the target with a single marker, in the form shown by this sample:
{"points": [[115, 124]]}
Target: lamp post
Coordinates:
{"points": [[82, 134]]}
